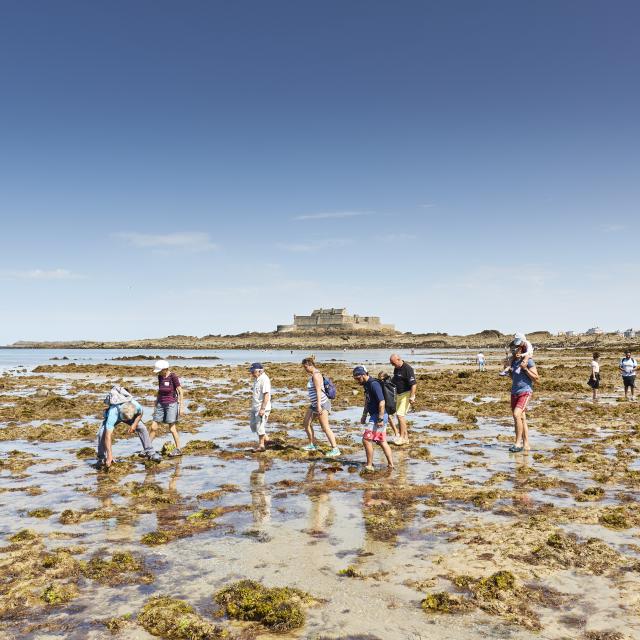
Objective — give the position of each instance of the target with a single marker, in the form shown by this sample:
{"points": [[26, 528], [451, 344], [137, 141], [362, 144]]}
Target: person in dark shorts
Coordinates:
{"points": [[374, 407], [594, 378], [628, 366], [169, 403], [404, 379]]}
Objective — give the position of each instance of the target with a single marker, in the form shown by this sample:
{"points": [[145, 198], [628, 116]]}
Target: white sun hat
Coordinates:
{"points": [[160, 365]]}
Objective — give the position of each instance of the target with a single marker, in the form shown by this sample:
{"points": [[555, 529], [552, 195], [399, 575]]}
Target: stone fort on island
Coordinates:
{"points": [[334, 319]]}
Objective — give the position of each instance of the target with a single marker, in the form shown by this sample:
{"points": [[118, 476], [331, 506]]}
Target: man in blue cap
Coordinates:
{"points": [[374, 407], [260, 404]]}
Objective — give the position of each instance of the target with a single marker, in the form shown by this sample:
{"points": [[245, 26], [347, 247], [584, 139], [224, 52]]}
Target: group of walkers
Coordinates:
{"points": [[380, 409], [387, 400]]}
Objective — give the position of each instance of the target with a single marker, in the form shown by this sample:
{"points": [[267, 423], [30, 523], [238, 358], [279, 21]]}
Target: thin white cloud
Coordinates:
{"points": [[428, 205], [180, 240], [318, 245], [333, 214], [38, 274], [613, 228]]}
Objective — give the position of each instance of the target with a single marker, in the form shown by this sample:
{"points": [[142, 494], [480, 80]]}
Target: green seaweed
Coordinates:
{"points": [[174, 619], [155, 538], [40, 513], [57, 594], [277, 608], [441, 602], [25, 535]]}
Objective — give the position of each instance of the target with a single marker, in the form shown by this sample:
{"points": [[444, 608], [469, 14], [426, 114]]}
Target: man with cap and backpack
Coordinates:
{"points": [[121, 407], [375, 408]]}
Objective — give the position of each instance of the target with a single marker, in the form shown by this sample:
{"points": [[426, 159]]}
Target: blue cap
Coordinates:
{"points": [[360, 371], [255, 366]]}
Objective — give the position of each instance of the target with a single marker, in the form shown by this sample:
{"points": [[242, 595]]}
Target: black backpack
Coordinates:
{"points": [[390, 396]]}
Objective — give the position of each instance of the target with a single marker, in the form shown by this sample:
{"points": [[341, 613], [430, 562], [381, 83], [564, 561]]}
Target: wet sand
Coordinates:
{"points": [[462, 540]]}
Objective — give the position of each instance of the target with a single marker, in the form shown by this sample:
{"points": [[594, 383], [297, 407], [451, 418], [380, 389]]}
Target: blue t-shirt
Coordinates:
{"points": [[373, 395], [112, 415], [520, 381]]}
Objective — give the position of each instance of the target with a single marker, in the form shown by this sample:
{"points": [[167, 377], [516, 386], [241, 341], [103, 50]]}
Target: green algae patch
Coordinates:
{"points": [[350, 572], [122, 568], [155, 538], [199, 446], [443, 602], [277, 608], [86, 452], [591, 494], [57, 594], [40, 513], [490, 588], [69, 516], [167, 448], [174, 619], [24, 536], [614, 519]]}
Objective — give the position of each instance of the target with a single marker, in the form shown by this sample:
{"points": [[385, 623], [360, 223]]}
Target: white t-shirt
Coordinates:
{"points": [[628, 366], [595, 367], [480, 357], [261, 385]]}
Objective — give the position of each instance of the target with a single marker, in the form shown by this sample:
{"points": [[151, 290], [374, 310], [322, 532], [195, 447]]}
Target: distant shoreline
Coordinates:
{"points": [[488, 339]]}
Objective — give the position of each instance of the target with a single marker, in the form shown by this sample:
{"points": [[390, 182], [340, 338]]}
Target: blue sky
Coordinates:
{"points": [[216, 167]]}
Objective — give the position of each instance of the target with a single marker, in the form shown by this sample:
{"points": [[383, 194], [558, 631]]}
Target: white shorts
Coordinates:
{"points": [[258, 423]]}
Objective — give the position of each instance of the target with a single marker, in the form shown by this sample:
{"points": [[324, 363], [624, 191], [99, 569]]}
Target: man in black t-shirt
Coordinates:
{"points": [[404, 378]]}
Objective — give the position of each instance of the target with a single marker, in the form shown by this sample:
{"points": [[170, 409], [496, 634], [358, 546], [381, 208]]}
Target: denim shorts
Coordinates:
{"points": [[167, 413], [325, 406]]}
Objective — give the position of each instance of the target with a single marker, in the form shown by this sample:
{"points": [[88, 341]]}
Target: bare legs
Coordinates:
{"points": [[153, 432], [386, 449], [323, 419], [521, 428]]}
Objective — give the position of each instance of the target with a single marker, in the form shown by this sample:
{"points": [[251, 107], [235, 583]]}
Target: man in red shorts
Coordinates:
{"points": [[523, 375], [374, 407]]}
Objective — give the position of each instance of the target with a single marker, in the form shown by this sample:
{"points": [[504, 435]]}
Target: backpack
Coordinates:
{"points": [[329, 387], [390, 394], [117, 395]]}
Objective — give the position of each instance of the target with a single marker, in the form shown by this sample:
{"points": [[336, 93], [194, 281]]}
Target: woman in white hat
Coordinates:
{"points": [[168, 403]]}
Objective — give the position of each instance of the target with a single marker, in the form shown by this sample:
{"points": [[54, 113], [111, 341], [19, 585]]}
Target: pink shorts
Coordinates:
{"points": [[375, 436], [520, 401]]}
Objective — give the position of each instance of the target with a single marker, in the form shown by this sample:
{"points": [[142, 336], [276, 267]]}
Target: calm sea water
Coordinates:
{"points": [[29, 358]]}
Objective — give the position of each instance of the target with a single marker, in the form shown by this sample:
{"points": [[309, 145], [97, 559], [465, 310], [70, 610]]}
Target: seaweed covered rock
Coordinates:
{"points": [[277, 608], [443, 602], [174, 619], [56, 594], [122, 568]]}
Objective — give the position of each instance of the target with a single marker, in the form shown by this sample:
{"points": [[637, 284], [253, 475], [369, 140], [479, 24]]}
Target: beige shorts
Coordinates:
{"points": [[402, 404]]}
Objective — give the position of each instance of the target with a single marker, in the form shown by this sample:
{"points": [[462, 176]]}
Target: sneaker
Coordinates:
{"points": [[310, 447], [398, 441], [154, 457], [175, 452], [332, 453], [142, 454], [503, 373], [369, 469]]}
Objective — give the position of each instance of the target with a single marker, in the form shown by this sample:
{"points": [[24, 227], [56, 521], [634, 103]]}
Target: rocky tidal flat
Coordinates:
{"points": [[462, 540]]}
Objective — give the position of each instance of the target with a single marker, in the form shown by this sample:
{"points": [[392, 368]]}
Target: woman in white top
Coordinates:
{"points": [[594, 378], [319, 407]]}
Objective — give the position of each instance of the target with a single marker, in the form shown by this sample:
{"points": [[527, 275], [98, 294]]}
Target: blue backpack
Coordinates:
{"points": [[329, 387]]}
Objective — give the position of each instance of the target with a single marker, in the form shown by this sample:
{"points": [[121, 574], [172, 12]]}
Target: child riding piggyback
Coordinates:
{"points": [[520, 350]]}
